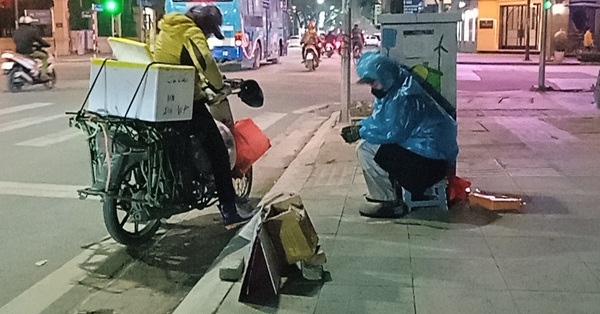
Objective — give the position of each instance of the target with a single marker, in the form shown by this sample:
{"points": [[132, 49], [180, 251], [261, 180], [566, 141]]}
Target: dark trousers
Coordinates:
{"points": [[411, 171], [203, 125]]}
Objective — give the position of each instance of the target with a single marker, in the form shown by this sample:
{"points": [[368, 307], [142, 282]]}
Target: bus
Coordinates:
{"points": [[254, 30]]}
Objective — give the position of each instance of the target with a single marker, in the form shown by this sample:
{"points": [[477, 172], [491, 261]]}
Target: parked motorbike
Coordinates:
{"points": [[23, 71], [143, 170], [311, 57]]}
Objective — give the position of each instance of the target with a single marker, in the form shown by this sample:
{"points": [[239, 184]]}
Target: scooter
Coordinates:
{"points": [[23, 71], [311, 57], [329, 49]]}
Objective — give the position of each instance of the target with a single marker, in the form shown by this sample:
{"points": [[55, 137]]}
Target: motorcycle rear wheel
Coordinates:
{"points": [[310, 65], [118, 219], [242, 184], [13, 87]]}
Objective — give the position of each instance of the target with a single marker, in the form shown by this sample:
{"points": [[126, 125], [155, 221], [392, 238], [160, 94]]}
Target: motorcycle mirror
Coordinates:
{"points": [[251, 93]]}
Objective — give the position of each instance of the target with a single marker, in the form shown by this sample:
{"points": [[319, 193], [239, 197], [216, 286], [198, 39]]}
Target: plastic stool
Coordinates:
{"points": [[437, 191]]}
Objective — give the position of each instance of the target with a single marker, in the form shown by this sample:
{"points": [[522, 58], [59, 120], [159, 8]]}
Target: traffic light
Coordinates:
{"points": [[547, 4], [112, 7]]}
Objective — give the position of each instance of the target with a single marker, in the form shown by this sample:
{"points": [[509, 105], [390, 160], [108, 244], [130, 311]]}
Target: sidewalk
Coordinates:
{"points": [[510, 59], [468, 260]]}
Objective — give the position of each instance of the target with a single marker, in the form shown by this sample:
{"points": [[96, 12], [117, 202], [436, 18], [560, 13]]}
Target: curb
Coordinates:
{"points": [[209, 293]]}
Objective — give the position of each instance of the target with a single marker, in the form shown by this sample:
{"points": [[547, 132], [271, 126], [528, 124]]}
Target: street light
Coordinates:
{"points": [[320, 1]]}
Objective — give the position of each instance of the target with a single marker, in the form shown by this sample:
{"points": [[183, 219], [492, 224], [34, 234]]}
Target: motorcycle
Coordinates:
{"points": [[329, 49], [356, 53], [311, 57], [143, 173], [24, 71]]}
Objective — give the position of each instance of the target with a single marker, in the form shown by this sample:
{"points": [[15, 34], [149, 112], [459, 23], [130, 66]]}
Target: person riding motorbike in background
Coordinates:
{"points": [[183, 40], [357, 38], [310, 37], [25, 37]]}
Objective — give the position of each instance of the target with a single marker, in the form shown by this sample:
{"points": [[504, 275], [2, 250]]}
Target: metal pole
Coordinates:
{"points": [[542, 70], [345, 91], [95, 30], [528, 28], [16, 14]]}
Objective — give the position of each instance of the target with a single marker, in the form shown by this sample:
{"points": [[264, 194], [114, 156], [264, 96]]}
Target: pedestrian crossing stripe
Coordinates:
{"points": [[23, 123], [34, 105], [53, 138]]}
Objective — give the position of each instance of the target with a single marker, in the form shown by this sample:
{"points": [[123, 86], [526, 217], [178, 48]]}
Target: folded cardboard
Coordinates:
{"points": [[166, 92], [493, 202], [290, 227]]}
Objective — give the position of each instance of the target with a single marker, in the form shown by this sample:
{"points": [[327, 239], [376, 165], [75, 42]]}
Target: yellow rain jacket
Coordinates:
{"points": [[178, 32]]}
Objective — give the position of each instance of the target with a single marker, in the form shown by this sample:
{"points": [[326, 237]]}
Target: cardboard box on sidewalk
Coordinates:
{"points": [[290, 228], [504, 202]]}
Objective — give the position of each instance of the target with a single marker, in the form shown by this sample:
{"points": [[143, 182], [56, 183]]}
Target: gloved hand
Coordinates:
{"points": [[351, 133]]}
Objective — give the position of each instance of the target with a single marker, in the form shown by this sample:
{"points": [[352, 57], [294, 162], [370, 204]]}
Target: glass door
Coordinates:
{"points": [[513, 26]]}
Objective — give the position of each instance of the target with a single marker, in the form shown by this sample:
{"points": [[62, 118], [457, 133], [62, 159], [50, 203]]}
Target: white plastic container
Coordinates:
{"points": [[166, 93]]}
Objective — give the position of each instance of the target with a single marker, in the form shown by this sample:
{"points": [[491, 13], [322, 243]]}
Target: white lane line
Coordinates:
{"points": [[310, 108], [46, 291], [24, 107], [23, 123], [53, 138], [267, 119], [39, 189]]}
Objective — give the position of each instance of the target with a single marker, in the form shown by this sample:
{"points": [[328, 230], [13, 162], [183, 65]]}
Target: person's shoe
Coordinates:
{"points": [[44, 78], [231, 218], [369, 199], [385, 210]]}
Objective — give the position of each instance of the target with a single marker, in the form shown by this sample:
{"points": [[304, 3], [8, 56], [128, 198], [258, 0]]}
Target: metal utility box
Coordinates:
{"points": [[427, 39]]}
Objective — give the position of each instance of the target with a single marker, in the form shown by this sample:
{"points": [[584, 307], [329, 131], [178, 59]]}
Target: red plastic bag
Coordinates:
{"points": [[250, 143], [457, 189]]}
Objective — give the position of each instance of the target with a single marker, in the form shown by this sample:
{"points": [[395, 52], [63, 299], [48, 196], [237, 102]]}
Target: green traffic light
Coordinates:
{"points": [[547, 4], [112, 7]]}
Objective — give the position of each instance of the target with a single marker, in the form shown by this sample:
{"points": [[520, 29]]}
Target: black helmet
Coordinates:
{"points": [[208, 19]]}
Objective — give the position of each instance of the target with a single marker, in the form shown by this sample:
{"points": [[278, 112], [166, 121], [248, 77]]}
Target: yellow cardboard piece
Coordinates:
{"points": [[291, 229]]}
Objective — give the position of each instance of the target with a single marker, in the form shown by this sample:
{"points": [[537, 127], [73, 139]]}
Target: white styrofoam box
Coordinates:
{"points": [[166, 93], [130, 51]]}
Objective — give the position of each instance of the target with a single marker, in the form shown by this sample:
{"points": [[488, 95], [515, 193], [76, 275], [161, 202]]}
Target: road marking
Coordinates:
{"points": [[39, 189], [267, 119], [24, 107], [46, 291], [310, 108], [53, 138], [23, 123]]}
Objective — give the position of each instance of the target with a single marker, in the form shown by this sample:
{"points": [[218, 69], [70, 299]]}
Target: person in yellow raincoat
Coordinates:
{"points": [[183, 40], [311, 37], [588, 39]]}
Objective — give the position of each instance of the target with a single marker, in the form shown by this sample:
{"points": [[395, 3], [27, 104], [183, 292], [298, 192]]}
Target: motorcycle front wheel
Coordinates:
{"points": [[52, 82], [124, 219]]}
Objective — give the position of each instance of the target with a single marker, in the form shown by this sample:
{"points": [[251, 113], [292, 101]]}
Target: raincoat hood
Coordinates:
{"points": [[374, 66], [175, 23]]}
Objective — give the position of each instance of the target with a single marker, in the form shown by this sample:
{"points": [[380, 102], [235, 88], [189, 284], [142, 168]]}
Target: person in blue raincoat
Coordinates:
{"points": [[409, 137]]}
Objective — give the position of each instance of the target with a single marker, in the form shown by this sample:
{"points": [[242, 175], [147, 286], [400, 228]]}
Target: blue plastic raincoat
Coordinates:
{"points": [[407, 115]]}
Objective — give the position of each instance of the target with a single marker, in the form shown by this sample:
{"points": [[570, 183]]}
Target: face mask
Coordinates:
{"points": [[379, 93]]}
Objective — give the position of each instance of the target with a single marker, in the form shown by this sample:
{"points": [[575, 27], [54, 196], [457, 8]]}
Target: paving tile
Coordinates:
{"points": [[326, 224], [359, 300], [540, 302], [390, 245], [449, 247], [575, 226], [547, 186], [453, 273], [519, 225], [318, 192], [548, 275], [462, 300], [595, 268], [369, 270], [437, 229], [531, 248], [288, 304], [324, 207], [587, 248], [351, 225]]}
